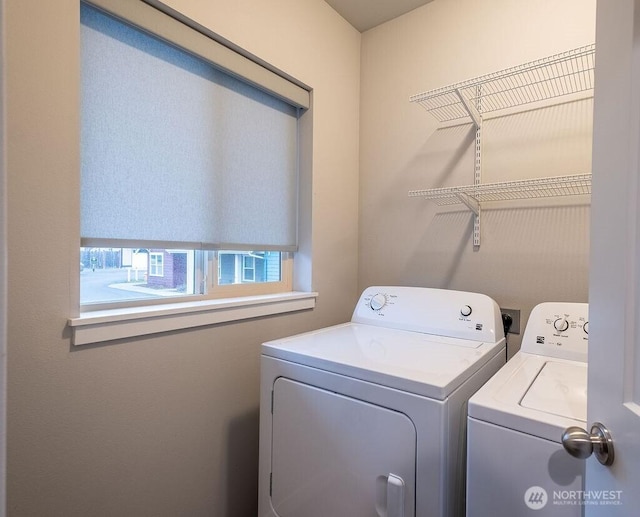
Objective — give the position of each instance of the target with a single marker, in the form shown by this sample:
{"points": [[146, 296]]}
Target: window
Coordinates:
{"points": [[155, 264], [187, 168], [236, 267], [249, 268], [127, 275]]}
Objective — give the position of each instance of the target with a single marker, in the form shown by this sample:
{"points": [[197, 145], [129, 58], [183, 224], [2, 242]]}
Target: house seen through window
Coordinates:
{"points": [[120, 274]]}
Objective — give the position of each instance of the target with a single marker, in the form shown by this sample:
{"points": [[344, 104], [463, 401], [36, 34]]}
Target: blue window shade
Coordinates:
{"points": [[176, 151]]}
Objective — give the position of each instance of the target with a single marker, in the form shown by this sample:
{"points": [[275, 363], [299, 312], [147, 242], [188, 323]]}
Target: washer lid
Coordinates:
{"points": [[534, 394], [418, 363], [559, 389]]}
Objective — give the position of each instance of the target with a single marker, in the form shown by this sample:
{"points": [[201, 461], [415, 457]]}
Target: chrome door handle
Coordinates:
{"points": [[580, 444]]}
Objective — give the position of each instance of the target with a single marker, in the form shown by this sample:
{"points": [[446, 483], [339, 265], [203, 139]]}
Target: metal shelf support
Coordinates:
{"points": [[477, 167], [471, 110], [470, 202]]}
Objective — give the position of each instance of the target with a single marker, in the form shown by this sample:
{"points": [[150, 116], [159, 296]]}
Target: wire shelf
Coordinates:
{"points": [[573, 185], [555, 76]]}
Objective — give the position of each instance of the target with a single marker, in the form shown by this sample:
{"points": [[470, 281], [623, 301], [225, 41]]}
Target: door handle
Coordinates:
{"points": [[395, 496], [581, 444]]}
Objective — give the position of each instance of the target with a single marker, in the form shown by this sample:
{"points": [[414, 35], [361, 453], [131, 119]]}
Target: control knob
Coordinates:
{"points": [[561, 324], [466, 310], [378, 301], [585, 327]]}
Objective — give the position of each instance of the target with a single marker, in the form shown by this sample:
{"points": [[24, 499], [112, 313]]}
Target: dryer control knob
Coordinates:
{"points": [[378, 301], [585, 327], [466, 310], [561, 324]]}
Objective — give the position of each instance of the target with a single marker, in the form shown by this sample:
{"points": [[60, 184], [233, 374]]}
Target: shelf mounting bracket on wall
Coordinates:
{"points": [[474, 113], [471, 203], [477, 167], [471, 109]]}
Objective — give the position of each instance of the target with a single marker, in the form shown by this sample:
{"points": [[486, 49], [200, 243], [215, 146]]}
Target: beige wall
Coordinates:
{"points": [[531, 251], [164, 425]]}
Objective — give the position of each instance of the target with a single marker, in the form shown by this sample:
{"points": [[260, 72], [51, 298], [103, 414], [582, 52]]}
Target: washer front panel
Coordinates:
{"points": [[516, 475]]}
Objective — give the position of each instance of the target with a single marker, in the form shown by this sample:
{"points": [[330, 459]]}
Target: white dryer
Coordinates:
{"points": [[516, 464], [368, 418]]}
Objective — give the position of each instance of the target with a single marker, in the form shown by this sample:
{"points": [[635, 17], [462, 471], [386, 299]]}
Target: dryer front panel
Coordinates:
{"points": [[336, 455]]}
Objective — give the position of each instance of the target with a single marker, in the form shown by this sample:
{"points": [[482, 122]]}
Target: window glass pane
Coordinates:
{"points": [[238, 267], [121, 274]]}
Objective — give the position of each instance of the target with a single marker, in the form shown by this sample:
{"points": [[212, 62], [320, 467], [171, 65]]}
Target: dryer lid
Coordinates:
{"points": [[418, 363]]}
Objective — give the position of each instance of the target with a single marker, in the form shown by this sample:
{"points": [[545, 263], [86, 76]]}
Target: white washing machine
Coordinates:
{"points": [[368, 418], [516, 464]]}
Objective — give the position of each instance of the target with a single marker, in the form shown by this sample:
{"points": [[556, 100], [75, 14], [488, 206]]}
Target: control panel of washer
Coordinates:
{"points": [[558, 329], [432, 311]]}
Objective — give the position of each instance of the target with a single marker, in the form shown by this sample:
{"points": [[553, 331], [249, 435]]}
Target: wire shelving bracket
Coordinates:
{"points": [[556, 76]]}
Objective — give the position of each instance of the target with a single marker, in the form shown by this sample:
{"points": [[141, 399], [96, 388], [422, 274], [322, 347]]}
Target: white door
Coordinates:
{"points": [[337, 456], [614, 295]]}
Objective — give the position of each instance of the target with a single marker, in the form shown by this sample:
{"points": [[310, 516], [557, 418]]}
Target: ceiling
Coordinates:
{"points": [[365, 14]]}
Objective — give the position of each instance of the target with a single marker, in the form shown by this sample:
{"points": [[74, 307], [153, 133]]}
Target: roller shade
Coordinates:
{"points": [[175, 150]]}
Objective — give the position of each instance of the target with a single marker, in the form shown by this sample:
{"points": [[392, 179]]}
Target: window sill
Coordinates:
{"points": [[108, 325]]}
